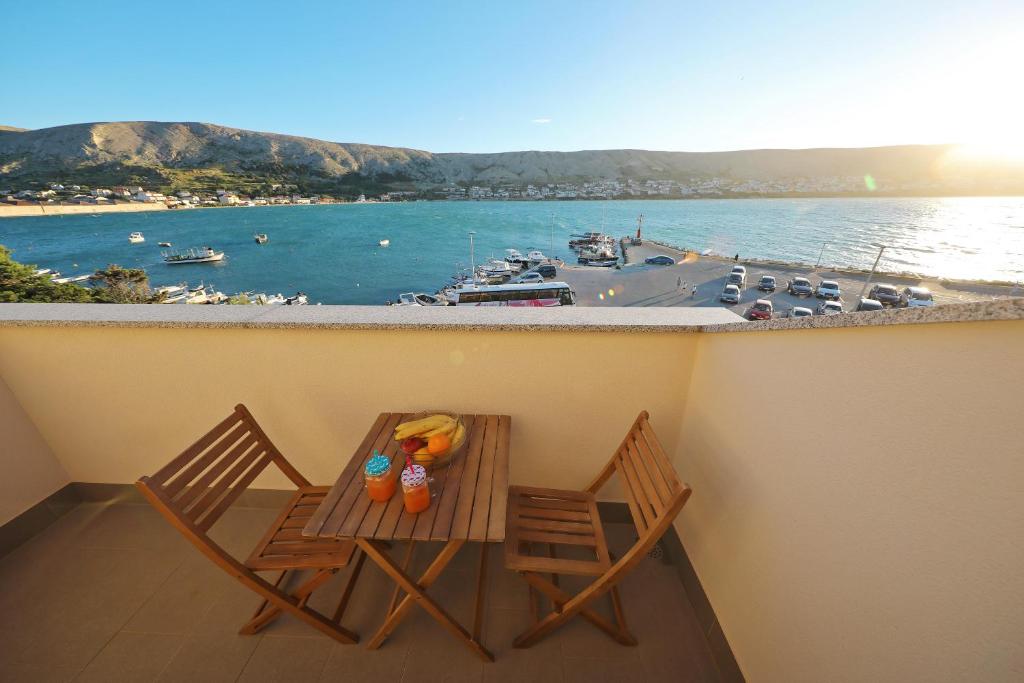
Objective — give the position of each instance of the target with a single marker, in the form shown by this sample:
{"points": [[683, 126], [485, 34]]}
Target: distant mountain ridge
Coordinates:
{"points": [[155, 151]]}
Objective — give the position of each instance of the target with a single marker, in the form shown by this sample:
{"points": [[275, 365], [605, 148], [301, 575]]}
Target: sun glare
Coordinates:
{"points": [[1003, 152]]}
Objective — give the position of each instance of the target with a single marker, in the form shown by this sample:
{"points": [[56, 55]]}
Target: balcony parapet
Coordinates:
{"points": [[575, 319]]}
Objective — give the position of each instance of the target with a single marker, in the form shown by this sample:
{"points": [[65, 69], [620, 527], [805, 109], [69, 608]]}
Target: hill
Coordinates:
{"points": [[198, 155]]}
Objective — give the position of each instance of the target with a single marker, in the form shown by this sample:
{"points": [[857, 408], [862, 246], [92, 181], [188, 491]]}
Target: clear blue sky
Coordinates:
{"points": [[490, 76]]}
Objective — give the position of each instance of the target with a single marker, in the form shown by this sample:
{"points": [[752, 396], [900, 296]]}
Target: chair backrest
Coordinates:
{"points": [[652, 488], [199, 485]]}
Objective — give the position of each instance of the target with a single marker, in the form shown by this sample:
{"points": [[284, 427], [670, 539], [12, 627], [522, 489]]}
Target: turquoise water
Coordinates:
{"points": [[331, 251]]}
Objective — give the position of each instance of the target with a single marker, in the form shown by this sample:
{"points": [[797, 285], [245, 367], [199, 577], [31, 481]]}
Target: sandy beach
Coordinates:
{"points": [[10, 211], [639, 284]]}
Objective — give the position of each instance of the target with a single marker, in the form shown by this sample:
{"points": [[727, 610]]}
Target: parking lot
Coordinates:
{"points": [[639, 284]]}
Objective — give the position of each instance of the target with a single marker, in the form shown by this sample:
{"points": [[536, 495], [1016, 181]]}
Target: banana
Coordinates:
{"points": [[427, 426], [407, 429], [458, 435], [446, 429]]}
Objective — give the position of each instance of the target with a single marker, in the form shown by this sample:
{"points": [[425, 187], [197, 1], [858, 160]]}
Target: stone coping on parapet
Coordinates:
{"points": [[565, 319]]}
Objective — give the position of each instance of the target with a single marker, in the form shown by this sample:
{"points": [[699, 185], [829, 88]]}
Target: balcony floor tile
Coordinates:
{"points": [[111, 591]]}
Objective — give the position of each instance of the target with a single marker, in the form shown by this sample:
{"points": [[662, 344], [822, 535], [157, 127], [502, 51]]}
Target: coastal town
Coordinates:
{"points": [[57, 194]]}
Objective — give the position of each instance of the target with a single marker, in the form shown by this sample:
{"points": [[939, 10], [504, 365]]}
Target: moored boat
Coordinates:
{"points": [[164, 244], [204, 255], [136, 238], [418, 299], [260, 238]]}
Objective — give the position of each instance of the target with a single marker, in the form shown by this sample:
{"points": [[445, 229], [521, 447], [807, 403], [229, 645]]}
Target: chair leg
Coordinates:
{"points": [[559, 616], [266, 614]]}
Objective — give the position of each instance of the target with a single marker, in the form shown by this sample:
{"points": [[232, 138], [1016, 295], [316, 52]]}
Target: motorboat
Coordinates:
{"points": [[164, 244], [384, 243], [535, 257], [260, 238], [299, 299], [264, 300], [416, 299], [136, 238], [172, 294], [603, 262], [514, 257], [204, 255], [496, 269], [71, 278]]}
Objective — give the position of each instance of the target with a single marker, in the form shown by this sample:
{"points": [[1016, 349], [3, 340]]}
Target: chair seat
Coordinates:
{"points": [[558, 518], [284, 546]]}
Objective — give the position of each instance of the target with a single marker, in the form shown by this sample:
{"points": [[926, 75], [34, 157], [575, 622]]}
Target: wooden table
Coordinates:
{"points": [[469, 505]]}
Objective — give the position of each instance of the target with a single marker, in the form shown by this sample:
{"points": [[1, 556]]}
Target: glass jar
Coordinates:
{"points": [[415, 489], [380, 478]]}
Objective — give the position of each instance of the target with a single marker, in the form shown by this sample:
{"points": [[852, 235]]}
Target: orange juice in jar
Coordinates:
{"points": [[380, 478], [415, 489]]}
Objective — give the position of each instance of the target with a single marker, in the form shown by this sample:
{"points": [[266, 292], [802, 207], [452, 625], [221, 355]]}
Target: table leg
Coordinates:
{"points": [[416, 593], [481, 591]]}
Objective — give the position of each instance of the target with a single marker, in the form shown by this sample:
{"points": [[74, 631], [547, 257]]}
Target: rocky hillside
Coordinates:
{"points": [[173, 153]]}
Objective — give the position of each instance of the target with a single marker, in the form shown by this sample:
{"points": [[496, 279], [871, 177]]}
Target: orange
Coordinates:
{"points": [[438, 444]]}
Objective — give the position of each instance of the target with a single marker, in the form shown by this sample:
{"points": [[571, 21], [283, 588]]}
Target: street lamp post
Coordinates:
{"points": [[867, 283], [472, 259], [820, 254]]}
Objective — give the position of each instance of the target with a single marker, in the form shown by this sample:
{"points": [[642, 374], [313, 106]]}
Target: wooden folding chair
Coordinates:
{"points": [[197, 487], [569, 518]]}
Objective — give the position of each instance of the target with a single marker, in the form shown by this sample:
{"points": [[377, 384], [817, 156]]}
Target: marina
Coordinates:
{"points": [[324, 252]]}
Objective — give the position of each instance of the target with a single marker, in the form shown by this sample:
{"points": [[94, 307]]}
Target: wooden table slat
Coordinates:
{"points": [[467, 487], [316, 522], [354, 488], [499, 497], [445, 503], [425, 520], [484, 481], [374, 512]]}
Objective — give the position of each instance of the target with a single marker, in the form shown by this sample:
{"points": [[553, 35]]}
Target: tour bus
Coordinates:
{"points": [[544, 294]]}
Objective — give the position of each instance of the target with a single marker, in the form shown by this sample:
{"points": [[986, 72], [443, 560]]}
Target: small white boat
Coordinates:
{"points": [[416, 299], [264, 300], [536, 257], [72, 278], [136, 238], [514, 257], [42, 271], [299, 299], [495, 268], [204, 255], [260, 238], [164, 244], [384, 243], [173, 294]]}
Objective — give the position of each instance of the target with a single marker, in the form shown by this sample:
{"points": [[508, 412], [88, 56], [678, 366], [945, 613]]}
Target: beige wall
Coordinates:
{"points": [[857, 511], [30, 470], [116, 403]]}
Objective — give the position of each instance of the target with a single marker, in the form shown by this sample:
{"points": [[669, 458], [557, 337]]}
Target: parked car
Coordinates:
{"points": [[730, 295], [766, 284], [828, 307], [761, 310], [532, 278], [800, 312], [738, 279], [546, 270], [916, 297], [800, 286], [870, 305], [740, 269], [827, 289], [660, 260], [887, 294]]}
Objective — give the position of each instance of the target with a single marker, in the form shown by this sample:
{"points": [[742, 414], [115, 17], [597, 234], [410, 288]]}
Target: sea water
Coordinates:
{"points": [[331, 252]]}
